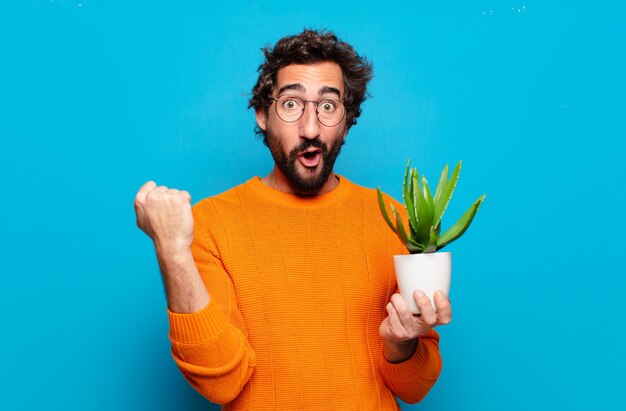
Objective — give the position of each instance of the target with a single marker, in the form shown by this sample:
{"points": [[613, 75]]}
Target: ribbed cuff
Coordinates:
{"points": [[422, 363], [201, 326]]}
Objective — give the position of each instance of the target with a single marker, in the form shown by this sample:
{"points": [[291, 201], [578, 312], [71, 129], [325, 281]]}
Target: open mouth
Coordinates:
{"points": [[311, 157]]}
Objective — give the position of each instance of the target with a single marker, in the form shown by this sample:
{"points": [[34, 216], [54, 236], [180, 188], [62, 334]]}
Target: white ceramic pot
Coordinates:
{"points": [[428, 272]]}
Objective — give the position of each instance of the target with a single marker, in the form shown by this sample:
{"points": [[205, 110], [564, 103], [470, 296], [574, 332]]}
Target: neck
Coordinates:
{"points": [[277, 180]]}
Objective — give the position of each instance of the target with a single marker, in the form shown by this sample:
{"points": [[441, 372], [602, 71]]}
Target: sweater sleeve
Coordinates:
{"points": [[411, 380], [211, 346]]}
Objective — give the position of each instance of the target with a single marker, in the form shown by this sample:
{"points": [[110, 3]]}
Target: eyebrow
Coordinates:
{"points": [[299, 87], [288, 87], [329, 90]]}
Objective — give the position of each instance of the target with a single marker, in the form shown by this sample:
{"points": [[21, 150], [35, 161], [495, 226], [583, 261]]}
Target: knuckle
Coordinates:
{"points": [[406, 315], [158, 190], [157, 194], [151, 196]]}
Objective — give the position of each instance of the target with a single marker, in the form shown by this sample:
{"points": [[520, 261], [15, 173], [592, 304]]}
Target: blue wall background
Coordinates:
{"points": [[98, 97]]}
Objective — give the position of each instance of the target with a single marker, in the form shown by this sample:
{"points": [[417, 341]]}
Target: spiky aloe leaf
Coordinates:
{"points": [[410, 209], [407, 179], [421, 209], [461, 226], [408, 201], [411, 245], [383, 209], [443, 178], [411, 191], [446, 194], [429, 200]]}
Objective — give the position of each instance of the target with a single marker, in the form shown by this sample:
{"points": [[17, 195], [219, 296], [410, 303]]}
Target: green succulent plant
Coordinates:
{"points": [[425, 212]]}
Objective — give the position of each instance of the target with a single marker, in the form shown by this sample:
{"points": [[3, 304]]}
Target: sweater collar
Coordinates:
{"points": [[272, 195]]}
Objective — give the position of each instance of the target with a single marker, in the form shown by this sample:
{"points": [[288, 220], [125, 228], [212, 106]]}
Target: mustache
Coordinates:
{"points": [[316, 143]]}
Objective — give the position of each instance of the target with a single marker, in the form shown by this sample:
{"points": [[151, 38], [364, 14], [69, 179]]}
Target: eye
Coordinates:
{"points": [[290, 104], [327, 106]]}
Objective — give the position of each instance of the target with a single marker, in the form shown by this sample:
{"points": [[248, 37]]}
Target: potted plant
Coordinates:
{"points": [[423, 268]]}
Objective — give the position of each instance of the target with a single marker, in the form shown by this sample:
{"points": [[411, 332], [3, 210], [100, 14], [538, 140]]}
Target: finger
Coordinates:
{"points": [[155, 193], [394, 321], [147, 186], [427, 311], [444, 309], [180, 195], [143, 190], [402, 308], [186, 195], [154, 196]]}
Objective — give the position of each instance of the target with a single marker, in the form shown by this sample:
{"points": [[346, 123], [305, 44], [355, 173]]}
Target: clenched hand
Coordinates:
{"points": [[164, 214]]}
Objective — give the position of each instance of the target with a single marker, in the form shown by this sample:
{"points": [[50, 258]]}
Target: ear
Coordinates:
{"points": [[261, 118]]}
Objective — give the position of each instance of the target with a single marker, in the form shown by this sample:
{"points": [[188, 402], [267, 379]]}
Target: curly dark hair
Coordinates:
{"points": [[310, 47]]}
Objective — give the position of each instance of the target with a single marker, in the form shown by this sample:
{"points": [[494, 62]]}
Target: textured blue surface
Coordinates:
{"points": [[97, 97]]}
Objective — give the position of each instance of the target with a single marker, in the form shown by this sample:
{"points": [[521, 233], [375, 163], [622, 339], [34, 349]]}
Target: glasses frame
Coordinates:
{"points": [[317, 113]]}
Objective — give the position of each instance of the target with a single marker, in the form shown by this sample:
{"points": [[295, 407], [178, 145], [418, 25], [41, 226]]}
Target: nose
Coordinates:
{"points": [[309, 126]]}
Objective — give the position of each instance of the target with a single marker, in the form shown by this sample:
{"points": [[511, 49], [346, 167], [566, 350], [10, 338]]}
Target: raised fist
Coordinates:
{"points": [[164, 214]]}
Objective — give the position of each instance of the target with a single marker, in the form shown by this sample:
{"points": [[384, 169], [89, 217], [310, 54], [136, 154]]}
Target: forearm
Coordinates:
{"points": [[396, 353], [184, 289]]}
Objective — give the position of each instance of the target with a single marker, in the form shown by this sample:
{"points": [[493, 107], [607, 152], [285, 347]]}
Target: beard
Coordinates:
{"points": [[311, 182]]}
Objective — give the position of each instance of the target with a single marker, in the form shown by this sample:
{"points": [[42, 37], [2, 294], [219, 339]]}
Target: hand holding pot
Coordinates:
{"points": [[401, 329]]}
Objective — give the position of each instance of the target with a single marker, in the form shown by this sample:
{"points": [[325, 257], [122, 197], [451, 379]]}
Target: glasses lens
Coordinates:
{"points": [[289, 108], [330, 112]]}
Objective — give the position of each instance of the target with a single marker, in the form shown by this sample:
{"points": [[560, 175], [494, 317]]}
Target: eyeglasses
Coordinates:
{"points": [[330, 112]]}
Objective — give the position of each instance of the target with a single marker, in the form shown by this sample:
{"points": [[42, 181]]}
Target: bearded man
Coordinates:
{"points": [[281, 292]]}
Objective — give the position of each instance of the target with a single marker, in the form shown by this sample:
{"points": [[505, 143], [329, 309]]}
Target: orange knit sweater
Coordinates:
{"points": [[298, 291]]}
